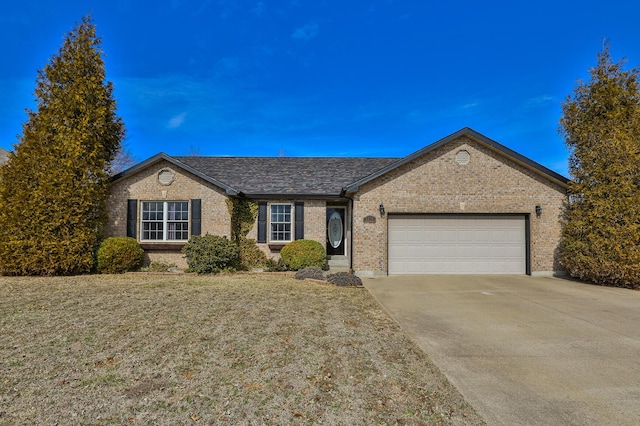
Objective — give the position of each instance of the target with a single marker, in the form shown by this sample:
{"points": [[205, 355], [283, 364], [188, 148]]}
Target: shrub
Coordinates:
{"points": [[303, 254], [344, 279], [211, 254], [313, 272], [250, 255], [117, 255], [159, 266], [275, 265]]}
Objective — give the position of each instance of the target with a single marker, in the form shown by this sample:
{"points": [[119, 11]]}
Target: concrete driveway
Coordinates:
{"points": [[526, 350]]}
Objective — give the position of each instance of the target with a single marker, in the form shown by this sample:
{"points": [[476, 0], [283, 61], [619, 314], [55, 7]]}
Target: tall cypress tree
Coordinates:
{"points": [[601, 125], [54, 188]]}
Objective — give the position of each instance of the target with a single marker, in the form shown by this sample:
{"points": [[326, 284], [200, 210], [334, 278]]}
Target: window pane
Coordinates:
{"points": [[152, 231], [154, 221], [178, 220], [280, 222]]}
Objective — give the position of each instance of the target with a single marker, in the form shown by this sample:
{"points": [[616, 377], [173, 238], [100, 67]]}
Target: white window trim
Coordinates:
{"points": [[165, 220], [291, 223]]}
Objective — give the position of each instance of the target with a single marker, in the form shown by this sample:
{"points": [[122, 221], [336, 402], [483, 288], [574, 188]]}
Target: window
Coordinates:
{"points": [[165, 221], [280, 222]]}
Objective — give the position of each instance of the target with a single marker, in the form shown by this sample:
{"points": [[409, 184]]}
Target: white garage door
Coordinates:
{"points": [[457, 245]]}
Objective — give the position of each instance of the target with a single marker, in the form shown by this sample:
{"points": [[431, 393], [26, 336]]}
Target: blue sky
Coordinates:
{"points": [[324, 78]]}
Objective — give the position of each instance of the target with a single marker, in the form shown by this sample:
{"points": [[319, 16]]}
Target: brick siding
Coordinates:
{"points": [[432, 183], [314, 224], [144, 186], [435, 183]]}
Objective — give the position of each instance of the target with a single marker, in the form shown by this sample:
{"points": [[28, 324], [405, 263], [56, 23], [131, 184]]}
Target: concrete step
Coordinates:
{"points": [[338, 264], [338, 260]]}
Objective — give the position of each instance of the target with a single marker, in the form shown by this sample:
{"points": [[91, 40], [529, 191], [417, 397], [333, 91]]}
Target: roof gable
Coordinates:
{"points": [[162, 156], [489, 143]]}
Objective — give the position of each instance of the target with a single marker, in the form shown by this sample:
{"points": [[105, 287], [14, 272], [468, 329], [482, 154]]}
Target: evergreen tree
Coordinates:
{"points": [[601, 125], [54, 188]]}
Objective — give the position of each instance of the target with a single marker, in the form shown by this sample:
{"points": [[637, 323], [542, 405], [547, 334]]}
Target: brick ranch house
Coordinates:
{"points": [[464, 204]]}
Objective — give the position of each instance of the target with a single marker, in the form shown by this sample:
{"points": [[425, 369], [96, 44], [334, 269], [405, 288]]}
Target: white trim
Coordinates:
{"points": [[346, 227], [291, 222], [165, 220]]}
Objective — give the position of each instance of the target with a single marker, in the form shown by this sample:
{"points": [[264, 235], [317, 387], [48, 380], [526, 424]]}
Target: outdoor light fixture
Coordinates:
{"points": [[382, 210], [538, 210]]}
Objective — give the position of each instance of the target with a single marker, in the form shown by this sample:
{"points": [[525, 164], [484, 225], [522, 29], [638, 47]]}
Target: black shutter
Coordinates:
{"points": [[262, 221], [196, 216], [299, 229], [132, 218]]}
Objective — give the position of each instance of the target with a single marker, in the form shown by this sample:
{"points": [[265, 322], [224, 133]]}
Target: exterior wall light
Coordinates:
{"points": [[538, 210], [382, 210]]}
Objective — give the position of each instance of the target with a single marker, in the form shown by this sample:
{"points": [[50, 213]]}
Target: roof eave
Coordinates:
{"points": [[162, 156], [297, 196], [518, 158]]}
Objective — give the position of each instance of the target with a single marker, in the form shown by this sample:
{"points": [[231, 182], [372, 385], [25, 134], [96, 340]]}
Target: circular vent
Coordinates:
{"points": [[463, 157], [166, 177]]}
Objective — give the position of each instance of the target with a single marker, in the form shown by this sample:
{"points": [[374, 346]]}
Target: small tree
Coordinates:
{"points": [[243, 215], [54, 189], [601, 126]]}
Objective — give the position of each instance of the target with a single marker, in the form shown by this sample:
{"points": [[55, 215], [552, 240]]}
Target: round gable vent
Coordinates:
{"points": [[166, 177], [463, 157]]}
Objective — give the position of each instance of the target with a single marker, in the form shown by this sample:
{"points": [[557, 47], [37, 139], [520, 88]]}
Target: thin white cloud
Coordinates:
{"points": [[176, 121], [539, 101], [306, 32]]}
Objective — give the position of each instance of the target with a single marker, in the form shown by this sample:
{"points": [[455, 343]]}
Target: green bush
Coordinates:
{"points": [[303, 254], [275, 265], [250, 255], [159, 266], [117, 255], [210, 254]]}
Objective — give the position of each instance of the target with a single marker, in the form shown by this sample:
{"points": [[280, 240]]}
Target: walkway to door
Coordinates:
{"points": [[526, 350]]}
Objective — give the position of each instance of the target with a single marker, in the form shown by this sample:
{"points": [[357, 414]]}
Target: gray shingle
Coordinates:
{"points": [[287, 175]]}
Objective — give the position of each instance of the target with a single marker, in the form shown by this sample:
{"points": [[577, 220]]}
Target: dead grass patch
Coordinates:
{"points": [[182, 349]]}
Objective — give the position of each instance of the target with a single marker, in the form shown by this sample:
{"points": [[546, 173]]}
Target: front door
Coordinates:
{"points": [[335, 231]]}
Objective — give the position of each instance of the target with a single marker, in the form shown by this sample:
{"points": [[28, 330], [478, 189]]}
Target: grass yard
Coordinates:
{"points": [[186, 349]]}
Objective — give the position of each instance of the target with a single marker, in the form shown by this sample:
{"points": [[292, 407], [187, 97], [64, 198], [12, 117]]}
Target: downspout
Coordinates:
{"points": [[343, 194]]}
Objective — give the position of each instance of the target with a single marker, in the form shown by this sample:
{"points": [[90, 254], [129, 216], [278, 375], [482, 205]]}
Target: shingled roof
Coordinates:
{"points": [[324, 177], [274, 176]]}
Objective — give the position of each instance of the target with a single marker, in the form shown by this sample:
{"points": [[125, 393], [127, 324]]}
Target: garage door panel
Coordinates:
{"points": [[457, 245], [467, 235], [430, 251], [430, 234], [482, 235], [397, 251]]}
